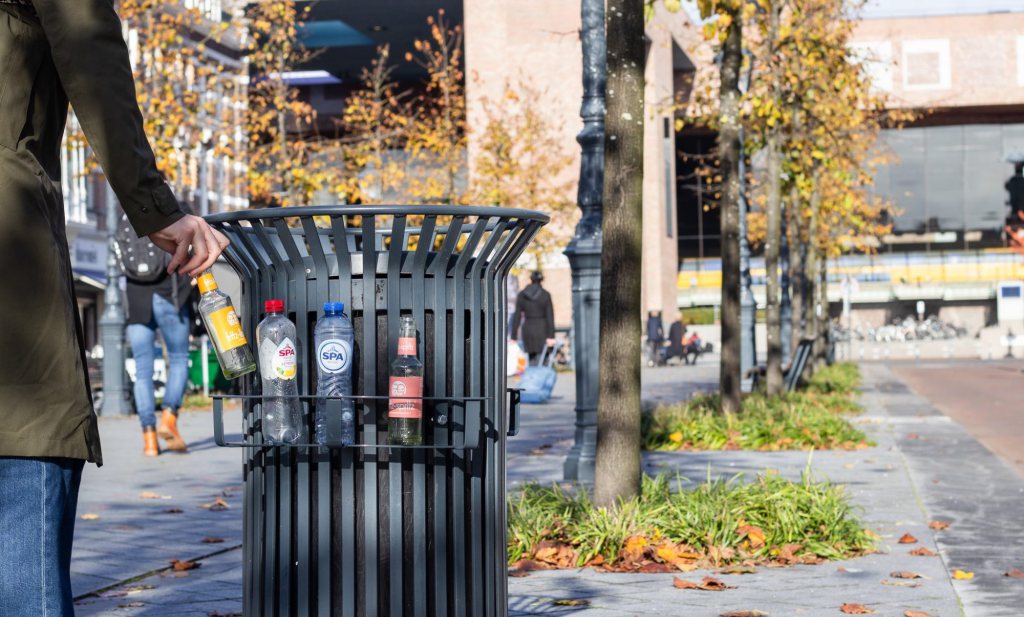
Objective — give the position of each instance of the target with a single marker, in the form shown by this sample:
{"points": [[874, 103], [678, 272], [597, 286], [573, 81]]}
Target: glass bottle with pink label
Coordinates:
{"points": [[405, 390]]}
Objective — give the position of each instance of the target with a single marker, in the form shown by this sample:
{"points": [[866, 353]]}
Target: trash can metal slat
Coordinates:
{"points": [[375, 529]]}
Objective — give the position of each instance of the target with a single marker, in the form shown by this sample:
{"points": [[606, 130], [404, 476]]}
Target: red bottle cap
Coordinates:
{"points": [[273, 306]]}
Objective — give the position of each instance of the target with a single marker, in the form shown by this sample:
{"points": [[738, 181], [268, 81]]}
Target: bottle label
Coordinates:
{"points": [[407, 401], [227, 330], [407, 346], [334, 356], [284, 364]]}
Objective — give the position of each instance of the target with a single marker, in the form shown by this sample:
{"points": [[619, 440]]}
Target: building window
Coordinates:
{"points": [[926, 64], [876, 59]]}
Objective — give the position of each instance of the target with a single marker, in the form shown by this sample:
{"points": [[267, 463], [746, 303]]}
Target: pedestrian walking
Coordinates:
{"points": [[536, 314], [655, 337], [53, 51], [164, 305]]}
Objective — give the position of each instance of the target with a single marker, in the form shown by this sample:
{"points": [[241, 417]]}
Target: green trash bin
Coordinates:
{"points": [[195, 370]]}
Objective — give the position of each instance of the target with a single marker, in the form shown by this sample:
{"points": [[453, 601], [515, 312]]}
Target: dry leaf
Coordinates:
{"points": [[916, 614], [707, 584], [923, 552], [905, 574], [131, 605], [184, 565], [570, 602], [856, 609], [901, 584], [842, 569], [518, 573], [755, 535], [530, 565], [960, 575], [211, 540], [216, 505], [938, 525], [907, 539], [744, 614], [152, 495], [1015, 573], [172, 510], [89, 516], [738, 568]]}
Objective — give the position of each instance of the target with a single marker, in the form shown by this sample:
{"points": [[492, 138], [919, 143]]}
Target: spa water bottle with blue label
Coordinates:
{"points": [[333, 340], [282, 411]]}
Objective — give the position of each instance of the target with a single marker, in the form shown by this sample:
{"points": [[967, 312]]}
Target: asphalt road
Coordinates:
{"points": [[985, 397]]}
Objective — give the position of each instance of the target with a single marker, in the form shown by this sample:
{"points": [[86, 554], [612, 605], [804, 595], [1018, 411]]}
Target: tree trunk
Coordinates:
{"points": [[797, 275], [617, 466], [811, 279], [729, 154], [773, 232], [823, 322]]}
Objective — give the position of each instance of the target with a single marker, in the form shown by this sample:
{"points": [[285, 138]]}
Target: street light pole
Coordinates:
{"points": [[115, 394], [584, 252]]}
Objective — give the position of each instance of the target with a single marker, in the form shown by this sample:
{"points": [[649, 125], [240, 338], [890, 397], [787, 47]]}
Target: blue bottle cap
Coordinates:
{"points": [[334, 308]]}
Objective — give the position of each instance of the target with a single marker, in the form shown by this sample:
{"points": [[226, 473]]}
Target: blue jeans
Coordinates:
{"points": [[174, 326], [38, 498]]}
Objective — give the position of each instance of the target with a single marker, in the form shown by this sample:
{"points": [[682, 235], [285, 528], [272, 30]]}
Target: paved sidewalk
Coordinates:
{"points": [[893, 483]]}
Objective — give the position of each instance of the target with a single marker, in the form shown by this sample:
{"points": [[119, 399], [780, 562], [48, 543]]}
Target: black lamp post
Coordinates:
{"points": [[115, 394], [584, 252]]}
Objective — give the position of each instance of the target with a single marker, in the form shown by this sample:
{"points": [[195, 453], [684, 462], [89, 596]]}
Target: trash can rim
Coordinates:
{"points": [[377, 210]]}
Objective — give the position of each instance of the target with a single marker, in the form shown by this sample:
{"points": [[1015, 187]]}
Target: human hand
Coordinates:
{"points": [[193, 232], [550, 342]]}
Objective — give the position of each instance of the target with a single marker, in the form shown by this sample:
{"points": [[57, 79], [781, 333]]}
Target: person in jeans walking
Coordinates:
{"points": [[53, 52], [161, 305]]}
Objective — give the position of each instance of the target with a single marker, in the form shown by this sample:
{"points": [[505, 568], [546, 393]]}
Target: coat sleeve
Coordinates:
{"points": [[91, 58], [549, 318], [516, 318]]}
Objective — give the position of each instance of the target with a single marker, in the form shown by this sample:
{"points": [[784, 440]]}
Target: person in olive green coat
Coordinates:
{"points": [[53, 51]]}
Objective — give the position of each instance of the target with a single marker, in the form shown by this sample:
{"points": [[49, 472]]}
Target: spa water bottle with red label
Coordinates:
{"points": [[282, 411], [225, 330], [405, 389]]}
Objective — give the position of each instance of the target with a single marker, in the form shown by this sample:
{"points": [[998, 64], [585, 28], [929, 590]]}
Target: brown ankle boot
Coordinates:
{"points": [[150, 446], [168, 431]]}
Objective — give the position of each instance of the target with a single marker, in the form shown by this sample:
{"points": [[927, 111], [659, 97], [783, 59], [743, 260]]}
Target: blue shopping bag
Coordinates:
{"points": [[537, 382]]}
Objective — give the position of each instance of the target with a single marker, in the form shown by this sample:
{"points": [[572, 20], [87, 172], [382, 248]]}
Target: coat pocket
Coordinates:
{"points": [[21, 52]]}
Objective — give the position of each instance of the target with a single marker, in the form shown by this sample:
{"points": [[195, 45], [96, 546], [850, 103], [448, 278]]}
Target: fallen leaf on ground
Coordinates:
{"points": [[657, 568], [960, 575], [923, 552], [916, 614], [518, 573], [938, 525], [184, 565], [152, 495], [842, 569], [901, 584], [707, 584], [856, 609], [89, 516], [530, 565], [738, 568], [174, 574], [907, 539], [211, 540], [755, 535], [744, 614], [905, 574], [216, 505], [131, 605], [1015, 573], [571, 602], [172, 510]]}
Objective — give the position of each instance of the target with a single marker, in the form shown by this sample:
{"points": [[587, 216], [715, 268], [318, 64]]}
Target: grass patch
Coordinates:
{"points": [[716, 524], [813, 418]]}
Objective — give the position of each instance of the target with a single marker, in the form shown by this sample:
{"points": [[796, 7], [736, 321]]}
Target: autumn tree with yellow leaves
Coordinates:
{"points": [[289, 161], [523, 163]]}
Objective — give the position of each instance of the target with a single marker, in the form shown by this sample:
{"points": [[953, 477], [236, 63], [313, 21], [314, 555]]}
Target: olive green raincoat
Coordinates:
{"points": [[53, 51]]}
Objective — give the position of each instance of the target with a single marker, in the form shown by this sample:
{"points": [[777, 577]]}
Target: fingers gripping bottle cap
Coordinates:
{"points": [[334, 308], [273, 306], [206, 282]]}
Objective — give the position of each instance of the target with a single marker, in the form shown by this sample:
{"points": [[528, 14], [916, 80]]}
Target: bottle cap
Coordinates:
{"points": [[334, 308], [273, 306], [206, 282]]}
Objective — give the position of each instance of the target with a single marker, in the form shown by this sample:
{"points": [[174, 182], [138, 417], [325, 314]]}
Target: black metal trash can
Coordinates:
{"points": [[373, 529]]}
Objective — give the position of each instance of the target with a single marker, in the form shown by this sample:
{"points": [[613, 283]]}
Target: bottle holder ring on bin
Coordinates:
{"points": [[373, 529]]}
